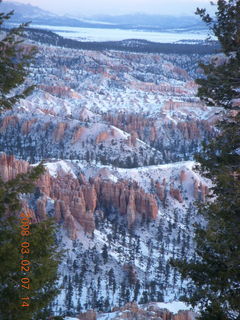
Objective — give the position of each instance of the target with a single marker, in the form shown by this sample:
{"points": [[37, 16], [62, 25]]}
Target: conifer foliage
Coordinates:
{"points": [[15, 57], [214, 277], [43, 255]]}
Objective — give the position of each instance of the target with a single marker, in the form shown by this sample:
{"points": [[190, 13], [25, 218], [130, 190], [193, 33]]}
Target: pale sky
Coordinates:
{"points": [[94, 7]]}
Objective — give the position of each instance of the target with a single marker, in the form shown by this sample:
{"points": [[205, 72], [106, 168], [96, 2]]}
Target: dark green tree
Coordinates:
{"points": [[105, 254], [43, 255], [220, 86], [214, 275], [15, 59]]}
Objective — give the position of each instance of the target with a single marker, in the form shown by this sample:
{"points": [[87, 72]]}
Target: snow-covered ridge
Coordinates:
{"points": [[112, 126], [125, 109]]}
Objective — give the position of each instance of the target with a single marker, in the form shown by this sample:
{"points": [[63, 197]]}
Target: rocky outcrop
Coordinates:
{"points": [[29, 212], [132, 139], [183, 176], [129, 199], [45, 136], [62, 92], [26, 126], [10, 167], [164, 88], [131, 208], [185, 315], [41, 207], [131, 272], [75, 200], [161, 189], [89, 315], [150, 312], [59, 131], [78, 133], [74, 203], [177, 139], [8, 121], [79, 199], [200, 191], [103, 136], [176, 194]]}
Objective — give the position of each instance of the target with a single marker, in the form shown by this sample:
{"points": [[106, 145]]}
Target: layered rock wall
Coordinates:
{"points": [[151, 312], [75, 200]]}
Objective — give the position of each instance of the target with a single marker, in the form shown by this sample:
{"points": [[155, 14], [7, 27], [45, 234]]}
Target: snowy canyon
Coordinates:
{"points": [[118, 132]]}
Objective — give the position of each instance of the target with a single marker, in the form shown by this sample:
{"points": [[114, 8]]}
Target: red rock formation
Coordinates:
{"points": [[45, 183], [61, 91], [89, 315], [183, 176], [59, 131], [131, 208], [153, 134], [127, 199], [78, 133], [195, 189], [82, 179], [72, 199], [134, 137], [185, 315], [204, 191], [26, 126], [103, 136], [60, 210], [70, 225], [200, 191], [133, 311], [73, 202], [10, 167], [131, 273], [150, 130], [41, 208], [160, 190], [76, 199], [8, 121], [90, 197], [176, 194], [30, 213]]}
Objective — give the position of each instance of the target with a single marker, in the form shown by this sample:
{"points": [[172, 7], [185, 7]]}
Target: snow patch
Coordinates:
{"points": [[59, 167]]}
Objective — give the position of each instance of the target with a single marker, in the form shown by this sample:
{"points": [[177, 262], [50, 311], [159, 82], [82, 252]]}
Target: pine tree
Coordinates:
{"points": [[15, 59], [41, 257], [105, 254], [214, 273]]}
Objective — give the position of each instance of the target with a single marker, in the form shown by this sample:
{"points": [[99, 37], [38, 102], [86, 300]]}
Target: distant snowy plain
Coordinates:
{"points": [[97, 34]]}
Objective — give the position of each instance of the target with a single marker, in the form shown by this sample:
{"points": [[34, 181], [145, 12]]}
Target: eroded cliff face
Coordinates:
{"points": [[11, 167], [177, 140], [61, 91], [73, 202], [76, 202], [44, 136], [76, 198], [113, 119], [149, 311], [84, 98], [99, 206]]}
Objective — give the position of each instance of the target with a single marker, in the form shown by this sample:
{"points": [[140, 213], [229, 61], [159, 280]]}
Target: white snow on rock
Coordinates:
{"points": [[58, 167], [174, 306]]}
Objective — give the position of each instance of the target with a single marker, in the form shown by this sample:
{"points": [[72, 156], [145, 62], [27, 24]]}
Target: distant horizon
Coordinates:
{"points": [[93, 10]]}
